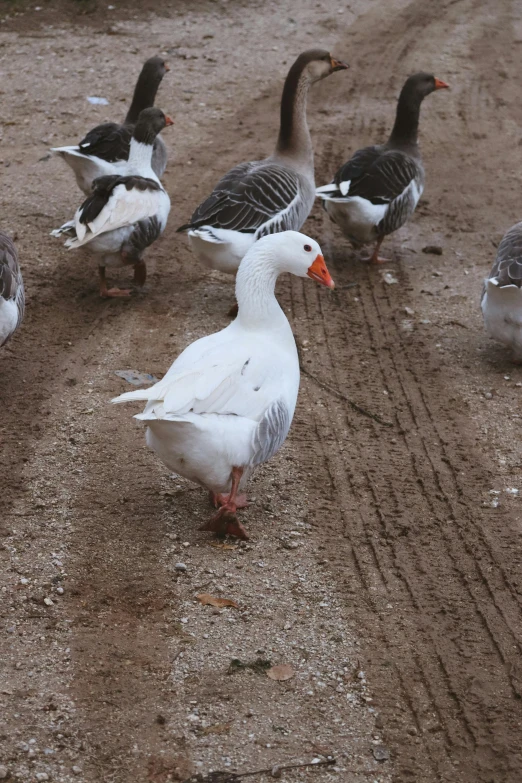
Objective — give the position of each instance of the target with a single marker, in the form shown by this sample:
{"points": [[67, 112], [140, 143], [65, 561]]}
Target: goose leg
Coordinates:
{"points": [[225, 521], [218, 499], [375, 258], [109, 293], [140, 273]]}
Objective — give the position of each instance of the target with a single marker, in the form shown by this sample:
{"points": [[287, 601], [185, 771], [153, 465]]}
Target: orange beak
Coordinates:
{"points": [[440, 85], [168, 121], [337, 65], [319, 272]]}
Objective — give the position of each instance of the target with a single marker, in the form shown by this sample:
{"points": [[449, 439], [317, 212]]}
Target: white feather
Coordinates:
{"points": [[124, 208], [502, 311], [220, 248], [8, 318], [86, 168]]}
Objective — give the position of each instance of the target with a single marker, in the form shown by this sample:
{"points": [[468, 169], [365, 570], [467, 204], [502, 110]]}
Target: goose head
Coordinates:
{"points": [[150, 123], [297, 254], [317, 64], [154, 69], [422, 84]]}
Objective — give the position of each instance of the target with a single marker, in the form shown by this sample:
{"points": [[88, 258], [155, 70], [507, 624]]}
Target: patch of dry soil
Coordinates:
{"points": [[381, 567]]}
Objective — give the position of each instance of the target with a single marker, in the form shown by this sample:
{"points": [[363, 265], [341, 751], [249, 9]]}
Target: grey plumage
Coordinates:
{"points": [[507, 268], [271, 432], [258, 197], [11, 282], [145, 233]]}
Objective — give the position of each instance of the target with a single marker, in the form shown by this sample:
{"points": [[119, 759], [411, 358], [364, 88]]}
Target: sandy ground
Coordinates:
{"points": [[384, 564]]}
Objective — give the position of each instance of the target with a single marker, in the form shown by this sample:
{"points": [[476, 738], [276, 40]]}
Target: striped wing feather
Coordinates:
{"points": [[508, 263], [377, 174], [248, 197], [11, 282]]}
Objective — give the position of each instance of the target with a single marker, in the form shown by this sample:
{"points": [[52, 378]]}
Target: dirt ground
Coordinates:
{"points": [[385, 560]]}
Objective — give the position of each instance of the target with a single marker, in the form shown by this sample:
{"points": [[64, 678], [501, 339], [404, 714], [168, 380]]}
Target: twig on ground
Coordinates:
{"points": [[343, 397], [283, 767]]}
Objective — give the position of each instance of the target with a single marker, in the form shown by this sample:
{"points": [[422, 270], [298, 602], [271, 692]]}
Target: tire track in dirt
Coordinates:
{"points": [[435, 572]]}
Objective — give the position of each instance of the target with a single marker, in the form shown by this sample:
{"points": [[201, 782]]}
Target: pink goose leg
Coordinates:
{"points": [[225, 521]]}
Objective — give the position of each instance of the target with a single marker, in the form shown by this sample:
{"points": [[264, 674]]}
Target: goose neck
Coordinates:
{"points": [[143, 97], [255, 293], [140, 157], [294, 139], [406, 128]]}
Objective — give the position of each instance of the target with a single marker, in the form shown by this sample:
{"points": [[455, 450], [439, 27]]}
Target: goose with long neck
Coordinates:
{"points": [[378, 189], [105, 149], [12, 294], [264, 196], [502, 294], [126, 212], [226, 404]]}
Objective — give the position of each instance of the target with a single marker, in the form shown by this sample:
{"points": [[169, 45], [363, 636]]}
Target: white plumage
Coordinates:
{"points": [[502, 311], [123, 209], [227, 402]]}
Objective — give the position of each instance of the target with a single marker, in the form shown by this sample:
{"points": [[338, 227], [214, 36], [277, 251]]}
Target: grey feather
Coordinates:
{"points": [[271, 432], [507, 268], [254, 198], [145, 233], [11, 282]]}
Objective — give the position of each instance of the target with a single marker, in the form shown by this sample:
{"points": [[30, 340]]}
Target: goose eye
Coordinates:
{"points": [[308, 248]]}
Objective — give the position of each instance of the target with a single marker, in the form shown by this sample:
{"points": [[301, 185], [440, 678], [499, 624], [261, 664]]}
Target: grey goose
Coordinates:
{"points": [[377, 190], [126, 212], [264, 196], [105, 149], [12, 294], [502, 294]]}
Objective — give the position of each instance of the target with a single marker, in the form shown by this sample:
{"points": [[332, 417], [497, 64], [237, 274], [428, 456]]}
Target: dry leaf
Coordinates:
{"points": [[281, 672], [217, 728], [209, 600]]}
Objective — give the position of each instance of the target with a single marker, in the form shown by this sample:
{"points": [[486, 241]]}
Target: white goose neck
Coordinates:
{"points": [[140, 159], [255, 285]]}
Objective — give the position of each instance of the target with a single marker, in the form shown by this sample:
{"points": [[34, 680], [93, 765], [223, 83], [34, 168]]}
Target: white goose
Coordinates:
{"points": [[226, 404], [264, 196], [126, 213], [502, 294], [12, 295]]}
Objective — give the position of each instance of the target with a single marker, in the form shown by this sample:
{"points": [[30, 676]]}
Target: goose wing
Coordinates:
{"points": [[375, 174], [250, 197], [116, 202], [11, 282], [507, 268], [108, 141]]}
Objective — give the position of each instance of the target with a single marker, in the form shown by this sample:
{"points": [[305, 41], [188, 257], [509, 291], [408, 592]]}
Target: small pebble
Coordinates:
{"points": [[41, 776], [388, 278], [180, 567], [4, 772], [77, 770], [380, 753], [60, 590], [434, 250]]}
